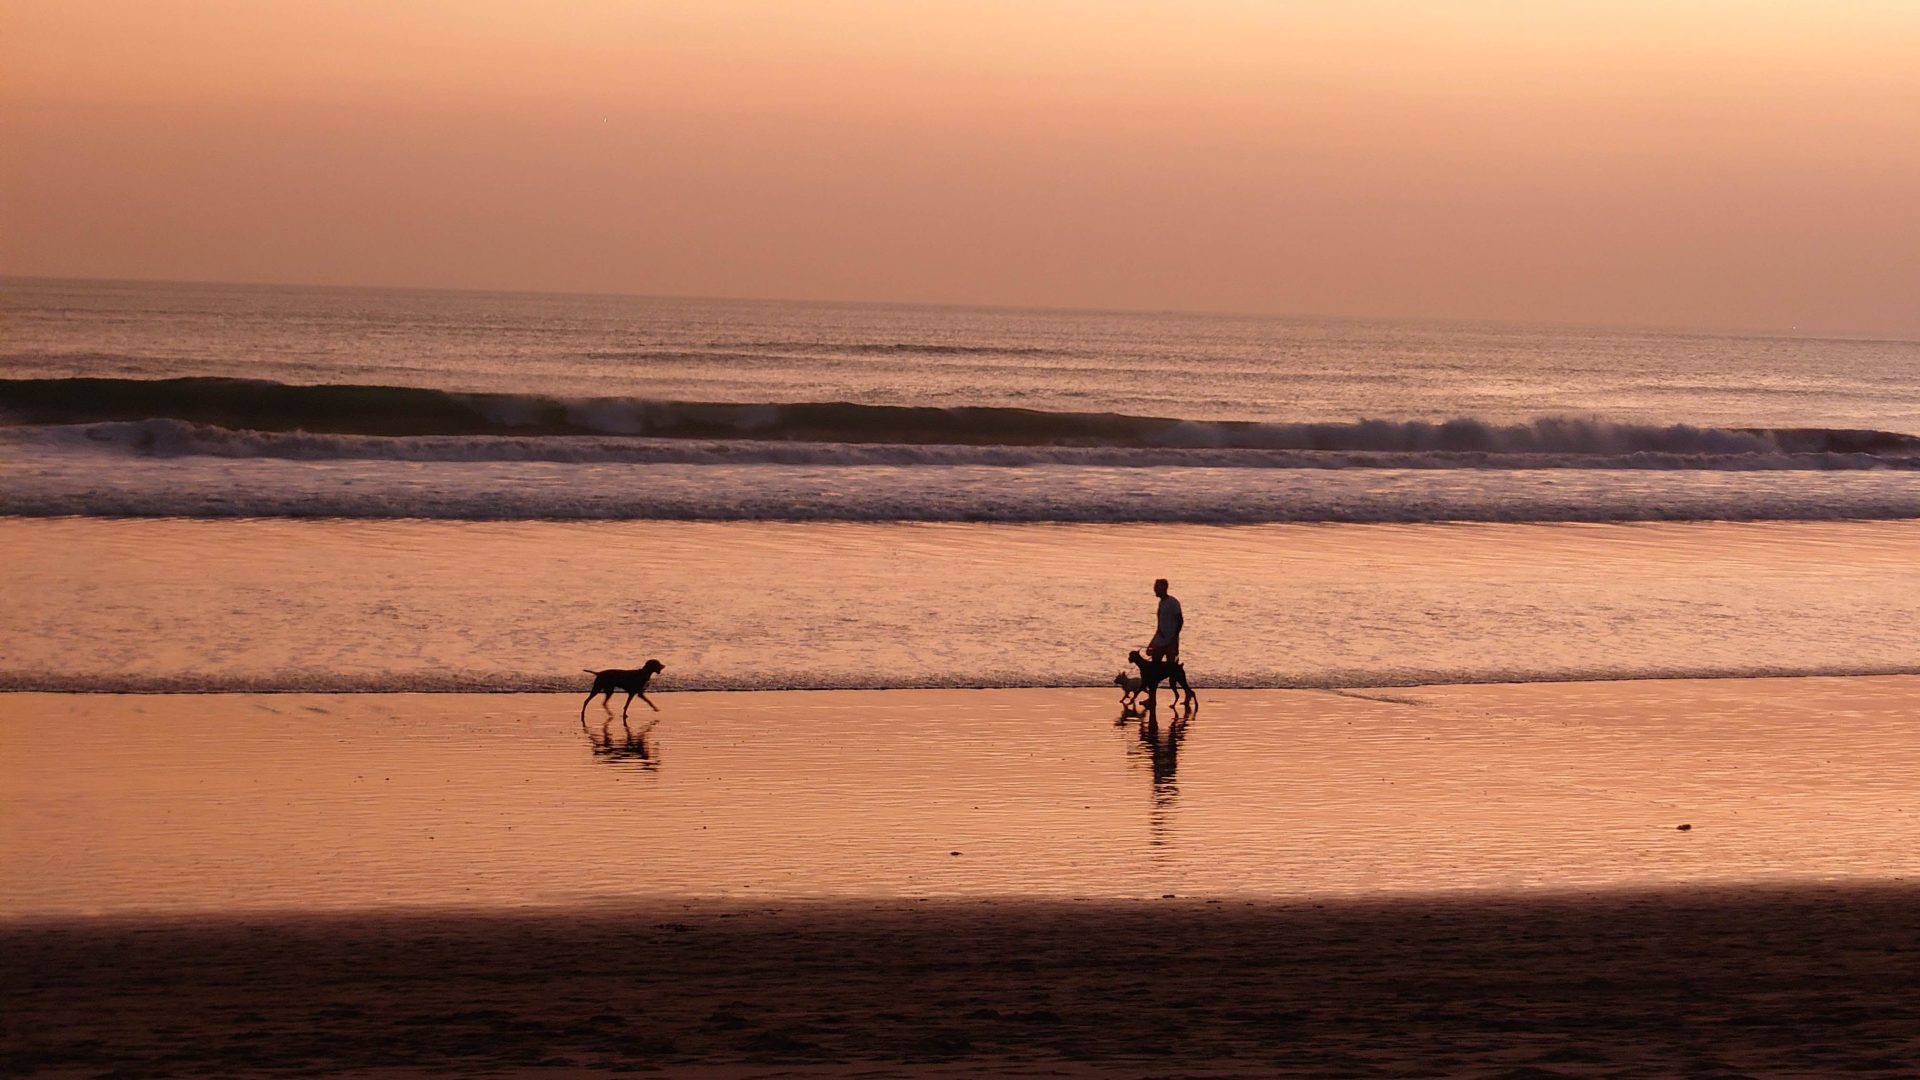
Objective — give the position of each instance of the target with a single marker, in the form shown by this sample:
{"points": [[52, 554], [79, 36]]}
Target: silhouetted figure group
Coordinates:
{"points": [[1161, 661]]}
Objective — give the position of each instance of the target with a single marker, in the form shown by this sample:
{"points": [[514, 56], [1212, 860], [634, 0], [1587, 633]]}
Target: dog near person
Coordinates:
{"points": [[1153, 671], [1130, 687], [632, 680]]}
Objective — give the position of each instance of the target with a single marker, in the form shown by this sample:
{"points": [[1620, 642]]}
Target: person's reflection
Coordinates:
{"points": [[630, 747], [1160, 747], [1163, 755]]}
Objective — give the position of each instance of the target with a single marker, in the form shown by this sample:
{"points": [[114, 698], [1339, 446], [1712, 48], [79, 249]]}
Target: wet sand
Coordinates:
{"points": [[1754, 982], [209, 804], [1478, 881]]}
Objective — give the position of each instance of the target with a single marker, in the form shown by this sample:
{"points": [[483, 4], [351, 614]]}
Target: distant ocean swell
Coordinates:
{"points": [[440, 681], [243, 405]]}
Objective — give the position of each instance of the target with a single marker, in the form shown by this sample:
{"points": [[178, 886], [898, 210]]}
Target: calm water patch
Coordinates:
{"points": [[120, 804]]}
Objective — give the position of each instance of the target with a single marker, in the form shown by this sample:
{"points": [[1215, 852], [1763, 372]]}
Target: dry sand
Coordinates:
{"points": [[1758, 982]]}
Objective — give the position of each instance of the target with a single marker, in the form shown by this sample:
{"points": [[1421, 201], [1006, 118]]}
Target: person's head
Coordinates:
{"points": [[1159, 586]]}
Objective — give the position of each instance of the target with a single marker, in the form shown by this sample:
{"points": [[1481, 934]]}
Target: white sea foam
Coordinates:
{"points": [[85, 484]]}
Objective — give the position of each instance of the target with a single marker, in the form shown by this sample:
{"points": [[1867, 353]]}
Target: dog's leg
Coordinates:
{"points": [[625, 705], [649, 701]]}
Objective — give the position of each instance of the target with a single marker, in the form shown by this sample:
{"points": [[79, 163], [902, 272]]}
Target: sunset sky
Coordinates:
{"points": [[1712, 163]]}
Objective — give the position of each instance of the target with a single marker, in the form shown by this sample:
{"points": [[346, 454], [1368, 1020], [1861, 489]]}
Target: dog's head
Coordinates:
{"points": [[1134, 657], [653, 666], [1121, 679]]}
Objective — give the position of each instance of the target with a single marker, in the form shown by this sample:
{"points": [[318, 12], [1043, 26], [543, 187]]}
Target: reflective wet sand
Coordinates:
{"points": [[310, 802]]}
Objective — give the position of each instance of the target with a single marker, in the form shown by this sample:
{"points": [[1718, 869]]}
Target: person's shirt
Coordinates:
{"points": [[1170, 619]]}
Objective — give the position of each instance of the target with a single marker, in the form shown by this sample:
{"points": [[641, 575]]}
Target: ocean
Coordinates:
{"points": [[283, 489]]}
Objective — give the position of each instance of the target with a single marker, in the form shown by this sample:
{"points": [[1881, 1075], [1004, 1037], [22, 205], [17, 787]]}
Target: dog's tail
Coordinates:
{"points": [[589, 671]]}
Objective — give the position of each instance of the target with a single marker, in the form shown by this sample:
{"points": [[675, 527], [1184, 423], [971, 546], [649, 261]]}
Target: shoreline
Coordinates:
{"points": [[1760, 981], [562, 686]]}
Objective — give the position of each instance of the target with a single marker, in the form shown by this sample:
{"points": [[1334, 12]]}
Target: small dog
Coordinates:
{"points": [[1130, 688], [1174, 672], [632, 680]]}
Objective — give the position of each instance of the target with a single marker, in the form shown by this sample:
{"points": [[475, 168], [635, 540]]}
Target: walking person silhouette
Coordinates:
{"points": [[1166, 634]]}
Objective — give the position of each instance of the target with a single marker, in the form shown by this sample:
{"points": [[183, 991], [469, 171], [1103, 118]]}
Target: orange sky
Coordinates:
{"points": [[1741, 163]]}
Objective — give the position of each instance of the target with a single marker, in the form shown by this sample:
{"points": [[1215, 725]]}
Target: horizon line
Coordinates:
{"points": [[1676, 329]]}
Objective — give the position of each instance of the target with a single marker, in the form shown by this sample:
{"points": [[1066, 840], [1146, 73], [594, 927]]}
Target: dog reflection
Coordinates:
{"points": [[630, 747], [1139, 709]]}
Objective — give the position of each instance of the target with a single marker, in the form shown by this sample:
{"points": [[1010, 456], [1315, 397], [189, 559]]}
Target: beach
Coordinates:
{"points": [[1557, 692], [1474, 880], [1502, 421]]}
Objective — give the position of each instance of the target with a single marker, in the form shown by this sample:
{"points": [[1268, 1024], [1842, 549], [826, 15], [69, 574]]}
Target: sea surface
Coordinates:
{"points": [[221, 488], [371, 504]]}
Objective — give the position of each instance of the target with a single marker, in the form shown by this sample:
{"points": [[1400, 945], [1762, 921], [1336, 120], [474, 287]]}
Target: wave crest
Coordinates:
{"points": [[178, 439], [247, 405]]}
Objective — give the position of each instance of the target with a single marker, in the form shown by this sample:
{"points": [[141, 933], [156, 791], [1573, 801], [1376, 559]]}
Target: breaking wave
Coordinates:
{"points": [[180, 438], [219, 447], [243, 417]]}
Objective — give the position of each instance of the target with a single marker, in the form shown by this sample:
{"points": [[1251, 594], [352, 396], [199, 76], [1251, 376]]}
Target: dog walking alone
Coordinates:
{"points": [[632, 680]]}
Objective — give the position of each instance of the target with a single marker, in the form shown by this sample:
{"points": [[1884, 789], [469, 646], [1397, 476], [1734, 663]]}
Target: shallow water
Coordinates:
{"points": [[185, 803], [464, 606]]}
